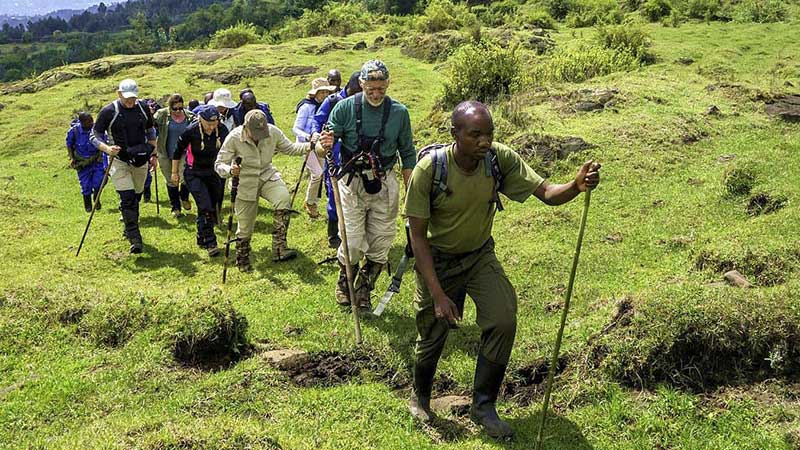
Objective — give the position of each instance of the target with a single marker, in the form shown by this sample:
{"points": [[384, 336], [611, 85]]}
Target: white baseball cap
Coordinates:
{"points": [[223, 97], [128, 88]]}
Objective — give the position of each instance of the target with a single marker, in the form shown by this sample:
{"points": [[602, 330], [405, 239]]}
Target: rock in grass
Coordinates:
{"points": [[285, 358], [360, 45], [786, 107], [735, 278], [457, 405]]}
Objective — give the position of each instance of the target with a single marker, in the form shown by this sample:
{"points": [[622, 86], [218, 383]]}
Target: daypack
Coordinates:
{"points": [[438, 155], [81, 162], [305, 101], [114, 119]]}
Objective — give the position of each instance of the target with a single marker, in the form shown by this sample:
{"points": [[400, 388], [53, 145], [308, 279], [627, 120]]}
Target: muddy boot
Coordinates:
{"points": [[365, 283], [420, 403], [243, 255], [333, 234], [488, 378], [87, 203], [342, 295], [311, 209], [96, 199], [280, 225]]}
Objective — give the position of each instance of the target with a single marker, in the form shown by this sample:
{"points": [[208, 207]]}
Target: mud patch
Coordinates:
{"points": [[333, 368], [786, 107], [764, 203], [549, 148], [526, 384], [236, 76]]}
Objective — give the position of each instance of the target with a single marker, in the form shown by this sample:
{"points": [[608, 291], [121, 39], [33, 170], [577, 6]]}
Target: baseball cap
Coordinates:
{"points": [[208, 112], [128, 88], [255, 122], [223, 97], [374, 69]]}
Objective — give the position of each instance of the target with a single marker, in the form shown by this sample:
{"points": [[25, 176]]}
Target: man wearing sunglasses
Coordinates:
{"points": [[171, 122]]}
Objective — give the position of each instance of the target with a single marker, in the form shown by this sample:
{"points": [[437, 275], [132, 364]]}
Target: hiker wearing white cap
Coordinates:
{"points": [[131, 139], [256, 142], [303, 127], [223, 100], [171, 122]]}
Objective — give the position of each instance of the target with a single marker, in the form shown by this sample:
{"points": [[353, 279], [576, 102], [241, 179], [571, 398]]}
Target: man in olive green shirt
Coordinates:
{"points": [[454, 250]]}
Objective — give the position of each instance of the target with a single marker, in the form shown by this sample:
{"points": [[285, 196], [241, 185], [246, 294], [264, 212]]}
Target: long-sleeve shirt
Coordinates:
{"points": [[162, 119], [324, 110], [256, 166], [239, 113], [304, 123], [79, 143], [133, 126], [201, 157]]}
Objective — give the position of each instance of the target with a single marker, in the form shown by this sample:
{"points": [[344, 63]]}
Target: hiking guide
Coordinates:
{"points": [[86, 159], [451, 202], [373, 130], [205, 136], [131, 137], [256, 141]]}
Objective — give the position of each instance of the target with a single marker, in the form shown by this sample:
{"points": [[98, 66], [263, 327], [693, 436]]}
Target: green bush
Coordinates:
{"points": [[760, 11], [627, 38], [559, 8], [655, 10], [586, 13], [580, 63], [674, 19], [496, 13], [538, 18], [235, 36], [704, 9], [443, 15], [336, 19], [483, 72]]}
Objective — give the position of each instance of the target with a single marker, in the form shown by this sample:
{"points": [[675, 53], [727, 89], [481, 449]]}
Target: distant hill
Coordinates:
{"points": [[33, 8], [15, 19]]}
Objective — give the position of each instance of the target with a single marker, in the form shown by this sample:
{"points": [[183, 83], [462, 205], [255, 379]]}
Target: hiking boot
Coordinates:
{"points": [[186, 204], [96, 199], [243, 255], [213, 251], [488, 378], [342, 295], [136, 247], [176, 213], [280, 225], [420, 403], [87, 203], [333, 234], [365, 283], [311, 209]]}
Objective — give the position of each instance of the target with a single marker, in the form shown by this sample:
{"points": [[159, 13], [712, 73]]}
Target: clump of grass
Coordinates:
{"points": [[483, 71], [697, 337], [580, 63], [113, 321], [627, 38], [739, 180], [767, 267]]}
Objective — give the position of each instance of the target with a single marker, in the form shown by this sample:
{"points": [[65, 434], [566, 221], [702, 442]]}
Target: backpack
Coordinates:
{"points": [[306, 101], [141, 155], [438, 155]]}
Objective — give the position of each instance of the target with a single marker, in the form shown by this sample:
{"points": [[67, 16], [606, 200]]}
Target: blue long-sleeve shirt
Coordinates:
{"points": [[79, 140], [324, 110], [304, 123]]}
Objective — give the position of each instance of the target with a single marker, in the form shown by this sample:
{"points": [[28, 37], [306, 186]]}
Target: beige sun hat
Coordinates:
{"points": [[320, 84]]}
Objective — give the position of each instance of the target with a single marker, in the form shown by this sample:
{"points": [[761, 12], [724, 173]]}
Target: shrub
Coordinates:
{"points": [[655, 10], [586, 13], [703, 9], [761, 11], [580, 63], [627, 38], [538, 18], [483, 72], [496, 13], [559, 8], [444, 15], [337, 19], [433, 47], [235, 36], [674, 19]]}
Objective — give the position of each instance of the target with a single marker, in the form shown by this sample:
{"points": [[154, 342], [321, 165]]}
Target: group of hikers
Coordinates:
{"points": [[352, 138]]}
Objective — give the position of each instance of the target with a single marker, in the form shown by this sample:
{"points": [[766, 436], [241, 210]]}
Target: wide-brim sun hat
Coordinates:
{"points": [[222, 97]]}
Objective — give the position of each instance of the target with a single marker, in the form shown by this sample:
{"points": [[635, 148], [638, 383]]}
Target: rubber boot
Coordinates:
{"points": [[130, 218], [342, 295], [97, 200], [365, 283], [174, 201], [333, 234], [243, 255], [280, 225], [87, 203], [488, 378], [147, 195], [420, 403]]}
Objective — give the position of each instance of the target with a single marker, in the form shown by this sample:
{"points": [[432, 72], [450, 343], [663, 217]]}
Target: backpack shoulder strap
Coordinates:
{"points": [[111, 124], [358, 99], [387, 109], [438, 156], [492, 169]]}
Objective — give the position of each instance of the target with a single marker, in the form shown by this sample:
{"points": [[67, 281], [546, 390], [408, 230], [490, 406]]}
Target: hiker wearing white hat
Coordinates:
{"points": [[223, 100], [303, 128]]}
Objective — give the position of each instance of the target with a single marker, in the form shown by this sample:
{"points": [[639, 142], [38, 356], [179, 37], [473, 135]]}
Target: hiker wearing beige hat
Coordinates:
{"points": [[223, 100], [256, 142], [303, 128]]}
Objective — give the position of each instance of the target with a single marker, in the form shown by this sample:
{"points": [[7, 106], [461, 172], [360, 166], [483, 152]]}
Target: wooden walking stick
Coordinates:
{"points": [[554, 360], [94, 204], [234, 191], [155, 182], [337, 200], [297, 185]]}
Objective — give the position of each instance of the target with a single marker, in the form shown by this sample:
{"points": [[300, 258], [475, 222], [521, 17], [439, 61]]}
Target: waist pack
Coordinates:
{"points": [[82, 163], [138, 155]]}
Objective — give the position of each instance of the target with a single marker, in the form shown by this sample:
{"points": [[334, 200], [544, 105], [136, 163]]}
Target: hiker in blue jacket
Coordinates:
{"points": [[320, 118], [84, 157], [247, 101]]}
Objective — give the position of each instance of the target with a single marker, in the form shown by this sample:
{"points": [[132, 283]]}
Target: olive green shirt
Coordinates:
{"points": [[461, 222]]}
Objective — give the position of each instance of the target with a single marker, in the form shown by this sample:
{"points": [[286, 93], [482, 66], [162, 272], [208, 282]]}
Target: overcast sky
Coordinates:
{"points": [[33, 7]]}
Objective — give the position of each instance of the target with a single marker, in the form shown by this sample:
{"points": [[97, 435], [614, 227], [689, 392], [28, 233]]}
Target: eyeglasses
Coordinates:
{"points": [[179, 108]]}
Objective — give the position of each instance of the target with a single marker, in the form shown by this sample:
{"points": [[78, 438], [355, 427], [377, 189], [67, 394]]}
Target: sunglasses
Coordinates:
{"points": [[179, 108]]}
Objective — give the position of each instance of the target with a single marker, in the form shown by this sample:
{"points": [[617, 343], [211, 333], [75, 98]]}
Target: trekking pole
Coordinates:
{"points": [[155, 182], [297, 185], [94, 205], [337, 200], [234, 190], [554, 360]]}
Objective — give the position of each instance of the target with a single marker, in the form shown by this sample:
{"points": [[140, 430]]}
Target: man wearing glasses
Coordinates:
{"points": [[170, 123]]}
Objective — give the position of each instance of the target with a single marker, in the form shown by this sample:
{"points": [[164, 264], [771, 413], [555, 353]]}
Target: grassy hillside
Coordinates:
{"points": [[87, 345]]}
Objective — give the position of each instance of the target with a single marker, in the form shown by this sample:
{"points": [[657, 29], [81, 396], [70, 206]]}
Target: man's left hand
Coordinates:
{"points": [[326, 139], [588, 176], [153, 162]]}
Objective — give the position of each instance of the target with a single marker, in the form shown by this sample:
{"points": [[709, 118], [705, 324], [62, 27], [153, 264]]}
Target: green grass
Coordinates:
{"points": [[61, 388]]}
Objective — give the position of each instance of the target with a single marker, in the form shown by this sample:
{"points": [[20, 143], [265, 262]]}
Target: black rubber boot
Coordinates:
{"points": [[333, 234], [147, 195], [365, 283], [87, 203], [488, 378], [174, 200], [97, 200], [420, 403]]}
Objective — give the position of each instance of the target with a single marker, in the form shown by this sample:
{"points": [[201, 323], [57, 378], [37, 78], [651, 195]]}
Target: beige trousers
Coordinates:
{"points": [[370, 219], [126, 177], [273, 191], [315, 166]]}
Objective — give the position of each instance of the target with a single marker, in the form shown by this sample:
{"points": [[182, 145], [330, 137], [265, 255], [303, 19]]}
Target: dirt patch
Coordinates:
{"points": [[104, 68], [588, 100], [764, 203], [549, 148], [325, 48], [236, 76], [526, 384], [333, 368], [786, 107]]}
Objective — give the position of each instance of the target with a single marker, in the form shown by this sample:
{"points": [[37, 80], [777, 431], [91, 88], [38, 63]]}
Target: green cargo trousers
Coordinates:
{"points": [[480, 275]]}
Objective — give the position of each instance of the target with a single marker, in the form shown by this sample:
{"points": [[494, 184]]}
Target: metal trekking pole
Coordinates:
{"points": [[234, 190], [94, 204], [297, 185], [337, 200], [554, 360], [155, 182]]}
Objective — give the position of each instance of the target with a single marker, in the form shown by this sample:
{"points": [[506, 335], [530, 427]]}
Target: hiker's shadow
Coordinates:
{"points": [[302, 265], [559, 433], [187, 222], [152, 258]]}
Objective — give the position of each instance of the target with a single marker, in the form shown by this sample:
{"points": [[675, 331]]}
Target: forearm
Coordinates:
{"points": [[406, 176], [424, 257], [558, 194]]}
